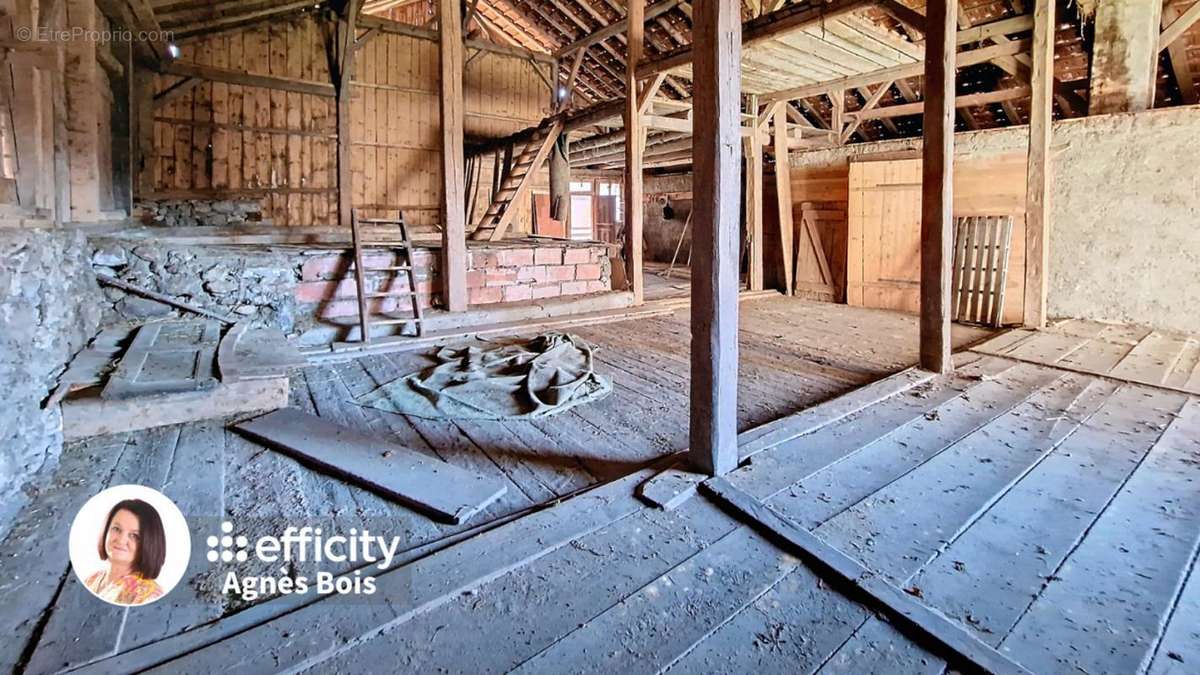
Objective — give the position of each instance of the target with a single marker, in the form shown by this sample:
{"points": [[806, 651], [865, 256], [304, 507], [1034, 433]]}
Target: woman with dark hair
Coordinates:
{"points": [[135, 546]]}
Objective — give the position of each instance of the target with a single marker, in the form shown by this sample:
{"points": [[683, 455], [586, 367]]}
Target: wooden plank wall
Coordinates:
{"points": [[982, 186], [222, 140], [58, 108], [233, 141]]}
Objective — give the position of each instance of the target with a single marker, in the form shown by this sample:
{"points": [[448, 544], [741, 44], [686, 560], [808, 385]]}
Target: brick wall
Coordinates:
{"points": [[512, 274], [496, 273]]}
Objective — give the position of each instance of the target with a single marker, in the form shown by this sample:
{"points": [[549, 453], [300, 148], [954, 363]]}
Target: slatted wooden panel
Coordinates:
{"points": [[221, 140], [981, 256]]}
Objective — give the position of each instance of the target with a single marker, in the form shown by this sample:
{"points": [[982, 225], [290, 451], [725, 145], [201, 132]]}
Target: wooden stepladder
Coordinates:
{"points": [[981, 247], [390, 235], [517, 183]]}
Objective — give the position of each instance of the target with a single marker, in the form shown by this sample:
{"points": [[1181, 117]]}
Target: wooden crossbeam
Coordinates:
{"points": [[1179, 26], [967, 101], [762, 28], [227, 76]]}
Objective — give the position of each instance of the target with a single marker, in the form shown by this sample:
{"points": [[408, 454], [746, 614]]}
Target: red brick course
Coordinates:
{"points": [[506, 274]]}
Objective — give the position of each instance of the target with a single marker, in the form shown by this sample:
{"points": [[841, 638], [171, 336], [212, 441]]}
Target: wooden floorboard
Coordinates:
{"points": [[80, 629], [1124, 352], [794, 353], [37, 566], [1122, 579]]}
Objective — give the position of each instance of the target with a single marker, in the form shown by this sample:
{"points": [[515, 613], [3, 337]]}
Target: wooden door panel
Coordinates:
{"points": [[883, 250]]}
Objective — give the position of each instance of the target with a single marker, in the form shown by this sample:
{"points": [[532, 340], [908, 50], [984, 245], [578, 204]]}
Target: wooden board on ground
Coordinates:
{"points": [[87, 416], [254, 353], [436, 488], [172, 356]]}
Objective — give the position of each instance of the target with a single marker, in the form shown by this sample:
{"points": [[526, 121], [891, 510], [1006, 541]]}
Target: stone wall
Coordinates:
{"points": [[200, 212], [241, 282], [1124, 236], [50, 308]]}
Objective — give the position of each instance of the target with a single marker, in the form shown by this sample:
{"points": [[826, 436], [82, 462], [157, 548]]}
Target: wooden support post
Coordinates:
{"points": [[633, 153], [344, 61], [143, 111], [1037, 195], [837, 112], [754, 204], [783, 197], [937, 186], [1124, 56], [454, 197], [717, 72], [560, 180]]}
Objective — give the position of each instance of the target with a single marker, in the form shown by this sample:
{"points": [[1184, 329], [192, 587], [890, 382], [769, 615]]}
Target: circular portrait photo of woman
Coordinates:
{"points": [[129, 545]]}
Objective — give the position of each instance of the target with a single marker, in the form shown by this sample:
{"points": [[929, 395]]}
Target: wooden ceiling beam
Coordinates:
{"points": [[966, 101]]}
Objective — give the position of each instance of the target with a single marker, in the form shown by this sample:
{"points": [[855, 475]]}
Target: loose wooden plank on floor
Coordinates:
{"points": [[1103, 609], [437, 488], [255, 352]]}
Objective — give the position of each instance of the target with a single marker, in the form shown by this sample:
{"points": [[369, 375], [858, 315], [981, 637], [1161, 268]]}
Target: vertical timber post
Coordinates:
{"points": [[754, 201], [634, 149], [783, 199], [1037, 194], [344, 53], [716, 145], [454, 195], [937, 182]]}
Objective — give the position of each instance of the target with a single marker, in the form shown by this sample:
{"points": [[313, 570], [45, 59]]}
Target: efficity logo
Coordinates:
{"points": [[305, 544]]}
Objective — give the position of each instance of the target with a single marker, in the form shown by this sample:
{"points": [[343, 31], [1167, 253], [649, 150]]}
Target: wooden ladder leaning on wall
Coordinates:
{"points": [[517, 183], [390, 235]]}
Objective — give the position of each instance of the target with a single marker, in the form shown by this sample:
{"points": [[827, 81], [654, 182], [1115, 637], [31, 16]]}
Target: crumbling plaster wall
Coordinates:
{"points": [[49, 309], [1125, 229]]}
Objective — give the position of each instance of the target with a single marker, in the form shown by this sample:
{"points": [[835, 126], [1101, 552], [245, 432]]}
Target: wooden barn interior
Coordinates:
{"points": [[702, 336]]}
